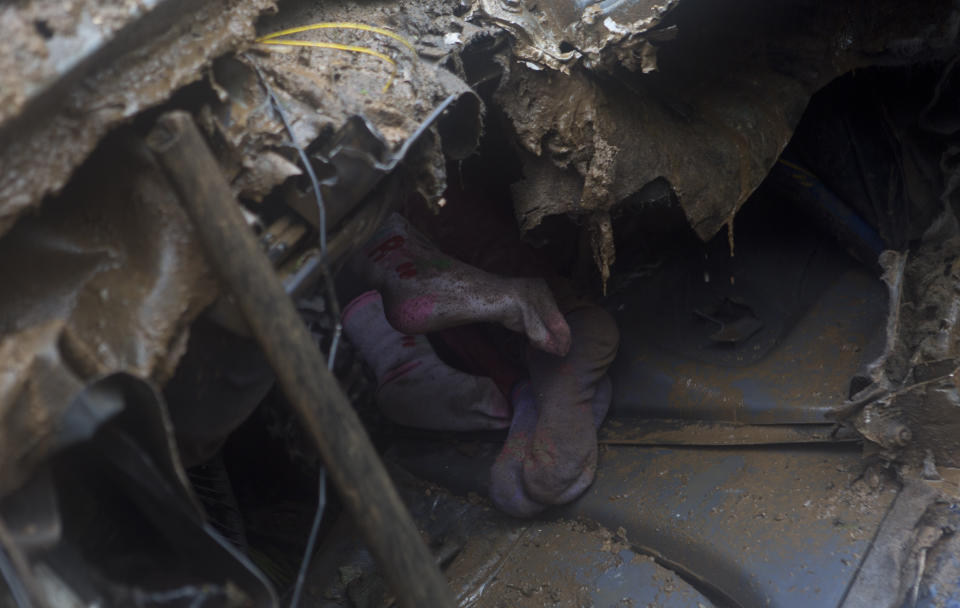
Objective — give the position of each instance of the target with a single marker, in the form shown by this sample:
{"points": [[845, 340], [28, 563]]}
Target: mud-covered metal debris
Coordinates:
{"points": [[338, 99], [105, 279], [82, 68], [711, 121], [604, 34]]}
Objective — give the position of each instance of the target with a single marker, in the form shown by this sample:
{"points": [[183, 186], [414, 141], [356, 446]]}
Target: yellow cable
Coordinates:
{"points": [[794, 166], [338, 47], [340, 25]]}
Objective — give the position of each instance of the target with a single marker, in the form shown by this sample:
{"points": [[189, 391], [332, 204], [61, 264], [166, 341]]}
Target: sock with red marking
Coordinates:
{"points": [[425, 290], [416, 388]]}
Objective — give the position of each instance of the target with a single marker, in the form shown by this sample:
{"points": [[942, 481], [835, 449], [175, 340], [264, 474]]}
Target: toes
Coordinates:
{"points": [[579, 486], [543, 322], [549, 334], [554, 463], [548, 478]]}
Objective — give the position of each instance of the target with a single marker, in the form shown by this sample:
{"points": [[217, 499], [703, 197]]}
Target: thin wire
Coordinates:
{"points": [[321, 215], [334, 304], [321, 208], [340, 25], [342, 47], [312, 540]]}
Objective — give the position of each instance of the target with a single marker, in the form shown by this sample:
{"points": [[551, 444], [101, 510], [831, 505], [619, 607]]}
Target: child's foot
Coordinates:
{"points": [[507, 489], [425, 290], [568, 390], [416, 388]]}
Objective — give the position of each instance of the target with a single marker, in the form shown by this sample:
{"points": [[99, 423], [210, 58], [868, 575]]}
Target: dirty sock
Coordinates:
{"points": [[425, 290], [507, 489], [415, 387], [563, 446], [506, 476]]}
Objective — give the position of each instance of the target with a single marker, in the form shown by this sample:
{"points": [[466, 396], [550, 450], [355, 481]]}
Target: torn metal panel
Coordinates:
{"points": [[82, 68], [560, 33], [114, 259], [356, 160], [356, 109], [105, 278], [714, 118]]}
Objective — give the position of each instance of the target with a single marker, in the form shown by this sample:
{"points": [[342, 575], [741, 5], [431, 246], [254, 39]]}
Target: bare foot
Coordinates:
{"points": [[425, 290], [416, 388]]}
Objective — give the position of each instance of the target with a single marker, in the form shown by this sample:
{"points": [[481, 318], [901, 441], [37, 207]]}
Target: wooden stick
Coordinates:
{"points": [[245, 272]]}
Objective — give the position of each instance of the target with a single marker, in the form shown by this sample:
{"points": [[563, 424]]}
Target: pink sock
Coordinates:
{"points": [[425, 290], [416, 388]]}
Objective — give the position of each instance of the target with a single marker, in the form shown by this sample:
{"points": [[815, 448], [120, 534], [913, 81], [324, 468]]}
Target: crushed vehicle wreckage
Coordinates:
{"points": [[763, 196]]}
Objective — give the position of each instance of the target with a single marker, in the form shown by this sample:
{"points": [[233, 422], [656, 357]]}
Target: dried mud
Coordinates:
{"points": [[50, 136], [712, 128], [495, 561]]}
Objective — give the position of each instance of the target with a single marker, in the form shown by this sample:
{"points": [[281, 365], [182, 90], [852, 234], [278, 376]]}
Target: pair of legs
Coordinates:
{"points": [[551, 449]]}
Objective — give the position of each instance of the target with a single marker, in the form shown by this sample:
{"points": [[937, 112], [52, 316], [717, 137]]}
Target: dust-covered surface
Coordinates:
{"points": [[764, 525], [642, 431], [106, 278], [50, 129], [783, 523], [495, 561], [567, 563], [912, 561], [935, 557]]}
